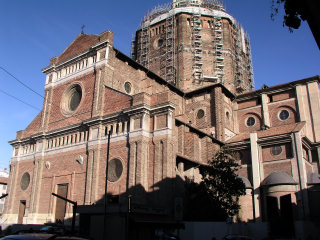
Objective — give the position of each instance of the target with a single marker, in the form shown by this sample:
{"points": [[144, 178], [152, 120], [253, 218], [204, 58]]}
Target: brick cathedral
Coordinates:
{"points": [[186, 90]]}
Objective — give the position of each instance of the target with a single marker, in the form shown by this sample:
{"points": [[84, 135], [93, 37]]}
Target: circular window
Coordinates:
{"points": [[71, 99], [25, 181], [160, 42], [200, 114], [251, 121], [228, 115], [114, 170], [127, 87], [284, 115], [75, 98], [276, 150]]}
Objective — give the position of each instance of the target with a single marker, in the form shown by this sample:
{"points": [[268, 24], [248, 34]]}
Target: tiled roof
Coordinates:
{"points": [[3, 180], [279, 130]]}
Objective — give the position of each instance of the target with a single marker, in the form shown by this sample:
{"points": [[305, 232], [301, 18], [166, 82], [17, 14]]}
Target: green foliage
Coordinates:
{"points": [[222, 183], [199, 205]]}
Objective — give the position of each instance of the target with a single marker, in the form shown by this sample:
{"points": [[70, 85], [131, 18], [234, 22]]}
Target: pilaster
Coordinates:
{"points": [[219, 113], [314, 99], [304, 109], [98, 100], [302, 175], [265, 110], [89, 178], [256, 178]]}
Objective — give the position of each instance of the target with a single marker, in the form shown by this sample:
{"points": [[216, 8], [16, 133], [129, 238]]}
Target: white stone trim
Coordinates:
{"points": [[277, 161], [248, 108], [191, 10], [79, 73], [139, 133], [162, 132], [282, 101]]}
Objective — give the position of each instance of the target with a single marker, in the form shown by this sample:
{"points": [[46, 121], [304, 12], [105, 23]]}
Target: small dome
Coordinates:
{"points": [[278, 178], [246, 182], [313, 178]]}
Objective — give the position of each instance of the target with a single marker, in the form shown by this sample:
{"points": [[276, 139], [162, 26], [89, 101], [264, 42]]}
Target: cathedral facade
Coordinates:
{"points": [[119, 136]]}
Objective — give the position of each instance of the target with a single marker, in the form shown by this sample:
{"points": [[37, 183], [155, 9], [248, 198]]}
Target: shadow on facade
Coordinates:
{"points": [[162, 211], [155, 214], [292, 214]]}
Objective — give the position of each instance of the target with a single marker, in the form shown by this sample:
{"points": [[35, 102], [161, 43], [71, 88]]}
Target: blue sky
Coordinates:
{"points": [[33, 31]]}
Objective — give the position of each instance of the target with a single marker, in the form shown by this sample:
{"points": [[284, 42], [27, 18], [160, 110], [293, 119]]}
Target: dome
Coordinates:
{"points": [[313, 178], [246, 182], [278, 178]]}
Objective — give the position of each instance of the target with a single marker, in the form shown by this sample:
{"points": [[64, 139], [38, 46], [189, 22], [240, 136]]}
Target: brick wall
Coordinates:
{"points": [[56, 119], [19, 194], [276, 108], [243, 116], [285, 154], [277, 167], [115, 101]]}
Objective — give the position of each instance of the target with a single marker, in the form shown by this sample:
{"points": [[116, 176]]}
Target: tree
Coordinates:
{"points": [[221, 182], [294, 12], [297, 10]]}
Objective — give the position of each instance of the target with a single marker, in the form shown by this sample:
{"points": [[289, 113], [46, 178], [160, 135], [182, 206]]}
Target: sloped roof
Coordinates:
{"points": [[34, 126], [277, 87], [81, 44], [3, 180], [273, 131]]}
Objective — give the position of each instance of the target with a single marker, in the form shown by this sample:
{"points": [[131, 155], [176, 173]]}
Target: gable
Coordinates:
{"points": [[33, 127], [81, 44]]}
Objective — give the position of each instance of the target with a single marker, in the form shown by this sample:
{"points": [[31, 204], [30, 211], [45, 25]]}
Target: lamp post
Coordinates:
{"points": [[106, 188]]}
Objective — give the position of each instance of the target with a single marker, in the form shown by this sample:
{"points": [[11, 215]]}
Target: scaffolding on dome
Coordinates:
{"points": [[197, 47], [157, 11], [244, 72], [164, 8]]}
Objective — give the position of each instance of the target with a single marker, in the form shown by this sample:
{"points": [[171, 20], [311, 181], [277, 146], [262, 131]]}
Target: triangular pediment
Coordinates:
{"points": [[81, 44]]}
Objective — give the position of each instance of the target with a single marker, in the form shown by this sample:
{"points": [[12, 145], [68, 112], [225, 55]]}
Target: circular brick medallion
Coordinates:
{"points": [[115, 169], [25, 181]]}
